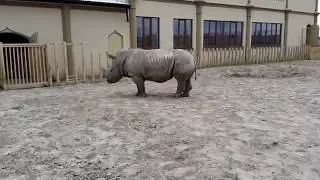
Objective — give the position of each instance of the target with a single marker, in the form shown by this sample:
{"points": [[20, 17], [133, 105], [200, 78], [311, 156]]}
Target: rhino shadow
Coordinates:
{"points": [[150, 95]]}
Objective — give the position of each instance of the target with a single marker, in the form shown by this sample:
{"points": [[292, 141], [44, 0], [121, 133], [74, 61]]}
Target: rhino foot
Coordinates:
{"points": [[178, 96], [141, 95], [185, 95]]}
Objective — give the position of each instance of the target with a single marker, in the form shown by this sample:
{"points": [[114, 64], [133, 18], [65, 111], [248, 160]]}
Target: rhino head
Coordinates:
{"points": [[114, 72]]}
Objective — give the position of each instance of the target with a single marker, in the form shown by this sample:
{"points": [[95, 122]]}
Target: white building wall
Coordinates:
{"points": [[93, 27], [166, 12], [233, 2], [273, 4], [302, 5], [28, 20], [297, 28]]}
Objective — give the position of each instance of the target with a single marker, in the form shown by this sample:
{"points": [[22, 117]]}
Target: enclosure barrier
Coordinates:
{"points": [[36, 65], [24, 66], [236, 56], [86, 65]]}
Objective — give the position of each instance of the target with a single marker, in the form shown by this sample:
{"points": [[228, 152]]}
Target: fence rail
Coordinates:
{"points": [[35, 65], [237, 56]]}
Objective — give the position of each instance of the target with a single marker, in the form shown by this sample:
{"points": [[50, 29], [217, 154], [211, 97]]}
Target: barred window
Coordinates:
{"points": [[148, 32], [182, 33], [219, 34], [266, 34]]}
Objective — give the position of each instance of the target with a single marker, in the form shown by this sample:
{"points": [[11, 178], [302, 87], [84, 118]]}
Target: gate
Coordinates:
{"points": [[24, 66]]}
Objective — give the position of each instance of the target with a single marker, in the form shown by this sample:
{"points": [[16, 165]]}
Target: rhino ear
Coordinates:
{"points": [[110, 55]]}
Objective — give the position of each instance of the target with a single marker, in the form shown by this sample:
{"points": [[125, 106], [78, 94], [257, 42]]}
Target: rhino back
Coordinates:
{"points": [[154, 65]]}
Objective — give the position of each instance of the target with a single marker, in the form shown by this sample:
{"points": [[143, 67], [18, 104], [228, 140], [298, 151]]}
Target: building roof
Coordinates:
{"points": [[105, 3]]}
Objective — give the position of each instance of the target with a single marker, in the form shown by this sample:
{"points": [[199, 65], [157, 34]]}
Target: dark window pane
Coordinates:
{"points": [[253, 35], [239, 33], [278, 34], [155, 33], [219, 35], [188, 34], [139, 32], [206, 34], [175, 32], [175, 27], [233, 34], [269, 37], [226, 36], [212, 34], [266, 34], [147, 32], [263, 33], [274, 35], [258, 33], [183, 33]]}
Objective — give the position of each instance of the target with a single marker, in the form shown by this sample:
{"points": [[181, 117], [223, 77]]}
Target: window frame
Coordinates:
{"points": [[222, 39], [143, 37], [263, 38], [176, 42]]}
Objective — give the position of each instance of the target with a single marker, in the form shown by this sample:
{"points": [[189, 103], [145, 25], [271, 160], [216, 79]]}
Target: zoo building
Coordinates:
{"points": [[47, 42]]}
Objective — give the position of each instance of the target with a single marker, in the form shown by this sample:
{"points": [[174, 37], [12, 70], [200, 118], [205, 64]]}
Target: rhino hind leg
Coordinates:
{"points": [[181, 87], [188, 88], [140, 86]]}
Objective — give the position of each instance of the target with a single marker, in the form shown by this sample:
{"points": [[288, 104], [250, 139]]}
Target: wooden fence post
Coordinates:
{"points": [[100, 72], [92, 69], [3, 81], [83, 63], [65, 60], [49, 75], [56, 63]]}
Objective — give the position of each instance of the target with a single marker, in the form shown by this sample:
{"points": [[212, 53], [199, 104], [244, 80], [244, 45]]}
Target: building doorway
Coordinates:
{"points": [[15, 58], [12, 38]]}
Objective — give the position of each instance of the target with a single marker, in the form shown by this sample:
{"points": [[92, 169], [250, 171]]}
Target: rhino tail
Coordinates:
{"points": [[195, 67]]}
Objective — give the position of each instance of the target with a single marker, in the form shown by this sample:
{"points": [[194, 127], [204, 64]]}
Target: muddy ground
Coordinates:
{"points": [[245, 122]]}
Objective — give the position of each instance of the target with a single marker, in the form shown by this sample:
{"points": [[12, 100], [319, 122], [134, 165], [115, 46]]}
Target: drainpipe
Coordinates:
{"points": [[248, 31], [66, 26], [316, 13], [199, 30], [286, 27], [133, 26]]}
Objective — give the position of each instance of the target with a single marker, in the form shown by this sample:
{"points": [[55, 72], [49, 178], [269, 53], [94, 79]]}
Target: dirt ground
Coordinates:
{"points": [[246, 122]]}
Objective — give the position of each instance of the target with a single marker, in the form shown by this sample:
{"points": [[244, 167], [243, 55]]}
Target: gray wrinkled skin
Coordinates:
{"points": [[156, 65]]}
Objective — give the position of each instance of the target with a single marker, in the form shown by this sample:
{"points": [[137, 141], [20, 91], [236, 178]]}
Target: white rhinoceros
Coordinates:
{"points": [[156, 65]]}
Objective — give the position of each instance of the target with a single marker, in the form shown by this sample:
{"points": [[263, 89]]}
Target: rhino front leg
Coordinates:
{"points": [[139, 81]]}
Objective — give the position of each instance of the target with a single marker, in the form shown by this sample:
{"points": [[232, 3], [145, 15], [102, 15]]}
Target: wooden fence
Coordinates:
{"points": [[237, 56], [23, 66], [36, 65], [86, 65]]}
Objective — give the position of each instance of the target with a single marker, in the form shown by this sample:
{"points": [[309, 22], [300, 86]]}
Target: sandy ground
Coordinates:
{"points": [[245, 122]]}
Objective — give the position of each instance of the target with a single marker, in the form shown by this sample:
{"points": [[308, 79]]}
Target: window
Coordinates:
{"points": [[218, 34], [182, 33], [266, 34], [148, 32]]}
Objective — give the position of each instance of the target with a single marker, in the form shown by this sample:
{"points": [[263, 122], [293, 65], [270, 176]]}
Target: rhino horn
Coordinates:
{"points": [[110, 56]]}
